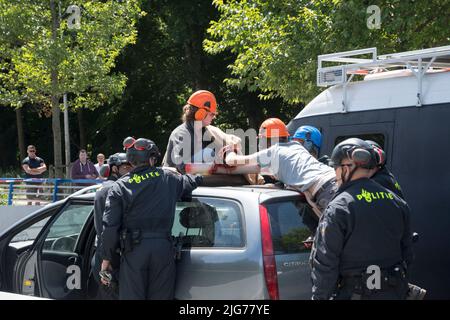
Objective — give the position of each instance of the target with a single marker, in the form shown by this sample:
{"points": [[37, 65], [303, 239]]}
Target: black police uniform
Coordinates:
{"points": [[99, 209], [365, 224], [141, 205], [385, 178]]}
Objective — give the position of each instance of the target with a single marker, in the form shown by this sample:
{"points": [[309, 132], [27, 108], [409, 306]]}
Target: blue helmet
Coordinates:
{"points": [[309, 133]]}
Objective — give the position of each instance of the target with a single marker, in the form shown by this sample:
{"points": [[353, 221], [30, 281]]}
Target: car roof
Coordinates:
{"points": [[264, 193]]}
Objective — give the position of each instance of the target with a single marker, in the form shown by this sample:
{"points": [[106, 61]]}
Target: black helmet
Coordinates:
{"points": [[379, 153], [140, 151], [357, 150], [115, 159]]}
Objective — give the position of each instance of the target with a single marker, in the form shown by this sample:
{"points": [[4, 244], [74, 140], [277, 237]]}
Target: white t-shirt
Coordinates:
{"points": [[293, 165]]}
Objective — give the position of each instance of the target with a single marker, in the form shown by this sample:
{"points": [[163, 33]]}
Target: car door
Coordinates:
{"points": [[214, 260], [292, 242], [16, 244], [53, 268]]}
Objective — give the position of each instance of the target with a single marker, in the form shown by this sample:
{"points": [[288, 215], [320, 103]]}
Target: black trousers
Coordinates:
{"points": [[148, 272]]}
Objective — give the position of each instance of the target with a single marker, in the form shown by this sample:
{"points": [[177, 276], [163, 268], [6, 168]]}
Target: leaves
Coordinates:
{"points": [[83, 58], [276, 43]]}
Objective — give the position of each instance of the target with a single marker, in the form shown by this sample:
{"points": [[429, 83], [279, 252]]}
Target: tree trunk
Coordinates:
{"points": [[56, 111], [83, 142], [20, 134], [254, 110]]}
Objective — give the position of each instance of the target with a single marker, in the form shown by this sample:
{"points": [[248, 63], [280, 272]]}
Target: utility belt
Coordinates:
{"points": [[322, 188], [129, 238], [362, 285]]}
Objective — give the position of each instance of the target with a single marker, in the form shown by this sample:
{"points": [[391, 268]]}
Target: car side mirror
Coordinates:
{"points": [[415, 237]]}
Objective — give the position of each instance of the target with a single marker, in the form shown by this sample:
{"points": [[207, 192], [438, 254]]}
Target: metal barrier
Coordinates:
{"points": [[41, 191]]}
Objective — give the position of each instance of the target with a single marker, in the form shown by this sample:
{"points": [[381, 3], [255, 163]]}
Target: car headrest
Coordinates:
{"points": [[198, 217]]}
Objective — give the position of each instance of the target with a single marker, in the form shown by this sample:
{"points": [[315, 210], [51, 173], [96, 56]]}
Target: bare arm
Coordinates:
{"points": [[42, 168], [233, 159], [27, 169]]}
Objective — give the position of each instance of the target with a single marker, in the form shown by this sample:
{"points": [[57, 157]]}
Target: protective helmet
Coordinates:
{"points": [[273, 128], [379, 153], [309, 133], [140, 151], [115, 159], [357, 150], [205, 101]]}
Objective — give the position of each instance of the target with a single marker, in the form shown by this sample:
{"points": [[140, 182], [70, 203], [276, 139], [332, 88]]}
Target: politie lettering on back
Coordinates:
{"points": [[370, 196], [139, 178]]}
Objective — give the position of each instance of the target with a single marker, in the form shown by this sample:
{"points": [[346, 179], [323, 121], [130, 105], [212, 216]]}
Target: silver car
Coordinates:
{"points": [[234, 243]]}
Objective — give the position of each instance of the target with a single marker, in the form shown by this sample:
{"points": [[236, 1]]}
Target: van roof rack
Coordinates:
{"points": [[350, 63]]}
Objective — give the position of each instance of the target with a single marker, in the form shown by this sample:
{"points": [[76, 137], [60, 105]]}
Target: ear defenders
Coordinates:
{"points": [[380, 156], [363, 158], [201, 113]]}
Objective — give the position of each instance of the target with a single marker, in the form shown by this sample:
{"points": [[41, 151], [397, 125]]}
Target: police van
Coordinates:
{"points": [[401, 101]]}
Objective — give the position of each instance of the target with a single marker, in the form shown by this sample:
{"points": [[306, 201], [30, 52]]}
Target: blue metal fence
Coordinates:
{"points": [[41, 190]]}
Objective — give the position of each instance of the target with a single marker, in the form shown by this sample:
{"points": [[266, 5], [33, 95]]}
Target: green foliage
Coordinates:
{"points": [[276, 43], [83, 58], [3, 199]]}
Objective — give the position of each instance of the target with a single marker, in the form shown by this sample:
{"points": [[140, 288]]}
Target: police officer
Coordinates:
{"points": [[381, 174], [116, 167], [139, 214], [363, 243]]}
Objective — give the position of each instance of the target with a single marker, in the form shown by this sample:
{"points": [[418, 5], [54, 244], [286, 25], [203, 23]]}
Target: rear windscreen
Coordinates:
{"points": [[289, 223]]}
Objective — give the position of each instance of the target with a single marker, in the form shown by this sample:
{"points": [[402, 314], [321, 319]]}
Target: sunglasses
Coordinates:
{"points": [[32, 151], [139, 144]]}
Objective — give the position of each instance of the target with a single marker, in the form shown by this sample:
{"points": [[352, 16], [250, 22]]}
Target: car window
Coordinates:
{"points": [[288, 224], [65, 230], [210, 223], [30, 233]]}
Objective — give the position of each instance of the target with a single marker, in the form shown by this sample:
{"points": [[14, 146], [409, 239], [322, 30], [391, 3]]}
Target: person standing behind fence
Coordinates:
{"points": [[100, 162], [34, 167], [83, 168]]}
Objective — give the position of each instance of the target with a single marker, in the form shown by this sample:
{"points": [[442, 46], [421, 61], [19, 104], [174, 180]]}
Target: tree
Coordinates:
{"points": [[276, 42], [48, 59]]}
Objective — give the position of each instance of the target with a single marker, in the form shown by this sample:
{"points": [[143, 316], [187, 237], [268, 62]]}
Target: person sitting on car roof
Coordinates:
{"points": [[288, 162], [196, 140]]}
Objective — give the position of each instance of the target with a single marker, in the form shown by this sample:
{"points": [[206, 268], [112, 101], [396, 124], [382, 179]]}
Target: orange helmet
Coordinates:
{"points": [[273, 128], [205, 101]]}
